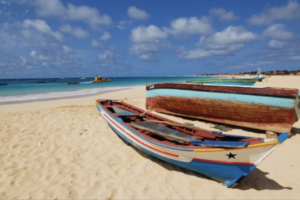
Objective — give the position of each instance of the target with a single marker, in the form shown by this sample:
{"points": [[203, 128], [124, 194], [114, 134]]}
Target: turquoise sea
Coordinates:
{"points": [[24, 90]]}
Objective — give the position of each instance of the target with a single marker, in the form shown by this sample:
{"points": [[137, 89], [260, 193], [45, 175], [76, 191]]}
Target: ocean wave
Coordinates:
{"points": [[85, 82], [58, 95]]}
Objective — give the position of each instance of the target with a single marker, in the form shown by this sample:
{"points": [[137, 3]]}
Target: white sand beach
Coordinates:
{"points": [[63, 149]]}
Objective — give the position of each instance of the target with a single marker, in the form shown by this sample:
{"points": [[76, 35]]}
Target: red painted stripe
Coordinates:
{"points": [[223, 162], [213, 161]]}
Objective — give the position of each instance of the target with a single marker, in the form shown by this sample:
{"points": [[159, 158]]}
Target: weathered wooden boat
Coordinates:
{"points": [[225, 158], [3, 83], [264, 108], [72, 83], [226, 81]]}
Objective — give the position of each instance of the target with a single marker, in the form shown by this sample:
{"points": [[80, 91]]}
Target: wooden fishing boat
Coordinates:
{"points": [[226, 81], [264, 108], [72, 83], [225, 158]]}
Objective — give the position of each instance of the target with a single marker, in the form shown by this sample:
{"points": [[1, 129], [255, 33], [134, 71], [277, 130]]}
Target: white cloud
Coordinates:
{"points": [[36, 57], [110, 58], [144, 51], [226, 42], [124, 24], [96, 44], [275, 44], [77, 32], [278, 32], [223, 14], [24, 61], [146, 41], [32, 53], [232, 35], [67, 49], [251, 64], [136, 13], [294, 58], [144, 34], [42, 27], [105, 37], [183, 27], [289, 12], [55, 8]]}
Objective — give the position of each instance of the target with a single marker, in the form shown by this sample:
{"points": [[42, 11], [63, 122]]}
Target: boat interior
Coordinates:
{"points": [[170, 133]]}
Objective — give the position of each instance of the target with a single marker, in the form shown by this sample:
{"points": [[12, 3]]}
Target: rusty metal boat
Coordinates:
{"points": [[264, 108]]}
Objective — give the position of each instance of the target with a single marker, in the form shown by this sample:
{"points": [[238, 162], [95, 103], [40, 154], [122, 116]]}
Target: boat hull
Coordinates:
{"points": [[263, 112], [214, 163]]}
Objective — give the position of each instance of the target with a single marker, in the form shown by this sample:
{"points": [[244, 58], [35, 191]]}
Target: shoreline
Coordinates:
{"points": [[86, 100], [68, 97]]}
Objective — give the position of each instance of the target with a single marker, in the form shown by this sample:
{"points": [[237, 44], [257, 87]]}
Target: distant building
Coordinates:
{"points": [[297, 73]]}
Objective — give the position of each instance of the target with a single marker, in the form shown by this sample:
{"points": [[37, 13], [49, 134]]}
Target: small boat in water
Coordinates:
{"points": [[226, 81], [42, 81], [264, 108], [82, 78], [52, 80], [99, 79], [73, 83], [3, 83], [225, 158]]}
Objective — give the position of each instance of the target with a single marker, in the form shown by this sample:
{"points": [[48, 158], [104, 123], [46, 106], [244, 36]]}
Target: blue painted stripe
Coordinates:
{"points": [[245, 98], [282, 137], [227, 174]]}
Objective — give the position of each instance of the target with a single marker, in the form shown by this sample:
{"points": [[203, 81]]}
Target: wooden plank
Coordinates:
{"points": [[164, 132], [122, 112], [186, 126]]}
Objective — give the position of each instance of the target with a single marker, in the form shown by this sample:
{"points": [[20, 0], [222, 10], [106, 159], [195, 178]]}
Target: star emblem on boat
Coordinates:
{"points": [[230, 155]]}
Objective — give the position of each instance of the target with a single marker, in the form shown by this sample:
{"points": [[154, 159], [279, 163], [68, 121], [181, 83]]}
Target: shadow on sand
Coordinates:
{"points": [[295, 131], [258, 180]]}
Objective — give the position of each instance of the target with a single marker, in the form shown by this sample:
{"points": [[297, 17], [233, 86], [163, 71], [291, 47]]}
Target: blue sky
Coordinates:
{"points": [[54, 38]]}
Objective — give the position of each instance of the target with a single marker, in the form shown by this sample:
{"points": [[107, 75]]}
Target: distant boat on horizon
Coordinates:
{"points": [[72, 83], [3, 83], [82, 78]]}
